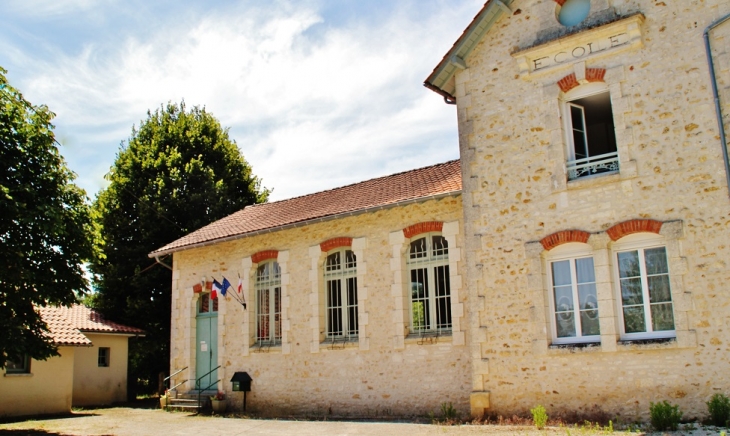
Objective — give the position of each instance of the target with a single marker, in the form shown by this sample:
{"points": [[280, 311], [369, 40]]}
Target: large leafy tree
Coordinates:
{"points": [[45, 227], [177, 172]]}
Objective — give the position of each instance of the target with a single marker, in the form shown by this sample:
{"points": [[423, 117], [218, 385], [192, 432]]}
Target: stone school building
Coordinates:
{"points": [[575, 256]]}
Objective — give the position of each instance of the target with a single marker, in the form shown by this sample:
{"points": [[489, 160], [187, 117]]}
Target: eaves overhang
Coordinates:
{"points": [[159, 253], [441, 79]]}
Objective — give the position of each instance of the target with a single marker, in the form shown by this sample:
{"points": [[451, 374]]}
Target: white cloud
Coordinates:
{"points": [[309, 112]]}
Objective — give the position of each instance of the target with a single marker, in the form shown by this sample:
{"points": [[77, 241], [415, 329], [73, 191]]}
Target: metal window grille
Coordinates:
{"points": [[268, 303], [428, 268], [592, 136], [341, 289]]}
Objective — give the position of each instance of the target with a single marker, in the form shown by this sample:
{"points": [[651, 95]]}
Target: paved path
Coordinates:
{"points": [[123, 421]]}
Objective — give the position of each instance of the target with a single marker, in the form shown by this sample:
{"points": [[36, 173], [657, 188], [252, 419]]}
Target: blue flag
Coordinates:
{"points": [[226, 284]]}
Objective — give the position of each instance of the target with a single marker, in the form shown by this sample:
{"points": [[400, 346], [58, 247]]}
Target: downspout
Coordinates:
{"points": [[716, 96], [157, 259]]}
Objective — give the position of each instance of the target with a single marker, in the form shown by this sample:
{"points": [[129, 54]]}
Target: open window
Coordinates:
{"points": [[591, 132]]}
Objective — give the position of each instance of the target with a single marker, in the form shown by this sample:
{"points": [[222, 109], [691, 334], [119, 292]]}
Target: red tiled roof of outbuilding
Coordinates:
{"points": [[422, 183], [67, 324]]}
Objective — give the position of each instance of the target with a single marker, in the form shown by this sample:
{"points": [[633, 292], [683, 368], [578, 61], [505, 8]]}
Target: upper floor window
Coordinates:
{"points": [[340, 276], [645, 292], [591, 131], [428, 268], [268, 303], [574, 299], [18, 365]]}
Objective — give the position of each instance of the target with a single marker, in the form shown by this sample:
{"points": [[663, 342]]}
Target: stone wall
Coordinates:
{"points": [[385, 373], [514, 151]]}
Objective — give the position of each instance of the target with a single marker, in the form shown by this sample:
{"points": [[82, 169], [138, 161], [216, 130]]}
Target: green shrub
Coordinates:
{"points": [[448, 411], [664, 416], [539, 416], [719, 408]]}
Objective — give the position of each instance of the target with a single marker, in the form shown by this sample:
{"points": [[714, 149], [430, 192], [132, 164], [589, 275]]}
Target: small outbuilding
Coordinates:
{"points": [[91, 368]]}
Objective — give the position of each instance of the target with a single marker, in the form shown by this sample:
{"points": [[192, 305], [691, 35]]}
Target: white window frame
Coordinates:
{"points": [[343, 275], [574, 167], [570, 252], [430, 263], [270, 284], [640, 242]]}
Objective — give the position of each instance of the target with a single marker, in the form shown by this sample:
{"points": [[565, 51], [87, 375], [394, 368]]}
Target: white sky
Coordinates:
{"points": [[317, 94]]}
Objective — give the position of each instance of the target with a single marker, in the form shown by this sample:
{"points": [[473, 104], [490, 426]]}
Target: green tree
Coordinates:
{"points": [[45, 227], [178, 172]]}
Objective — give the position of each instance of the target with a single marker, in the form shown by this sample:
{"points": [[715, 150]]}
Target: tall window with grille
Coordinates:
{"points": [[428, 268], [340, 277], [268, 303]]}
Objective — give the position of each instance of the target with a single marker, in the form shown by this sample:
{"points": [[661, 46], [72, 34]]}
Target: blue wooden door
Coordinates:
{"points": [[206, 355]]}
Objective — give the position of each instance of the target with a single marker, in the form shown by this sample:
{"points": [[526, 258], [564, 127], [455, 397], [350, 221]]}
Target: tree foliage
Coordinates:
{"points": [[178, 172], [45, 227]]}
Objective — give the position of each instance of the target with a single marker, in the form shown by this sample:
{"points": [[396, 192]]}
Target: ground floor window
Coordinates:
{"points": [[18, 365]]}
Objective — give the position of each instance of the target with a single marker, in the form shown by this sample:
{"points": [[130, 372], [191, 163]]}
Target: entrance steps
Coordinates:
{"points": [[189, 400]]}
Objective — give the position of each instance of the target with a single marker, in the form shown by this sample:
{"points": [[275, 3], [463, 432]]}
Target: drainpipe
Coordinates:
{"points": [[716, 96], [157, 259]]}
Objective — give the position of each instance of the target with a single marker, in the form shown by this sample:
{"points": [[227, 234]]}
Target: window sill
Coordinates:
{"points": [[428, 338], [266, 348], [652, 343], [577, 347], [339, 344], [594, 180], [19, 374]]}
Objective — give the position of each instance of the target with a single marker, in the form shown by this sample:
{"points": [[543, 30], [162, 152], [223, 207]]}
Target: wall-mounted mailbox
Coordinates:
{"points": [[241, 382]]}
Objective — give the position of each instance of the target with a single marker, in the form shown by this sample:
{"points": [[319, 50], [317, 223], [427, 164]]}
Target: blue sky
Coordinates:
{"points": [[317, 94]]}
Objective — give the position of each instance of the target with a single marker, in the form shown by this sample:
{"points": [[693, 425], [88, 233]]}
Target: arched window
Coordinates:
{"points": [[268, 303], [428, 269], [340, 277], [644, 291], [573, 294], [204, 304]]}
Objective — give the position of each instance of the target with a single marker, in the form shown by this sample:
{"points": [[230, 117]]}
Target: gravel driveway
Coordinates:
{"points": [[122, 421]]}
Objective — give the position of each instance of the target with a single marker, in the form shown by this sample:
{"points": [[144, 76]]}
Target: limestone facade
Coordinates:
{"points": [[386, 371], [522, 212]]}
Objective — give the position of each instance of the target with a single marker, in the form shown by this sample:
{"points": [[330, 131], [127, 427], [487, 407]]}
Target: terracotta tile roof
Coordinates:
{"points": [[62, 331], [67, 324], [422, 183]]}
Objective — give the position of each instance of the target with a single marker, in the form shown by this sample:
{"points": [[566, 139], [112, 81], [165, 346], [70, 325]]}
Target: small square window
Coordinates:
{"points": [[103, 357], [18, 365]]}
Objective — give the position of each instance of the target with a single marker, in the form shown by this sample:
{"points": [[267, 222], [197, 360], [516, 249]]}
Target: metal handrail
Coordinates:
{"points": [[197, 381], [200, 391], [172, 375], [175, 387]]}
